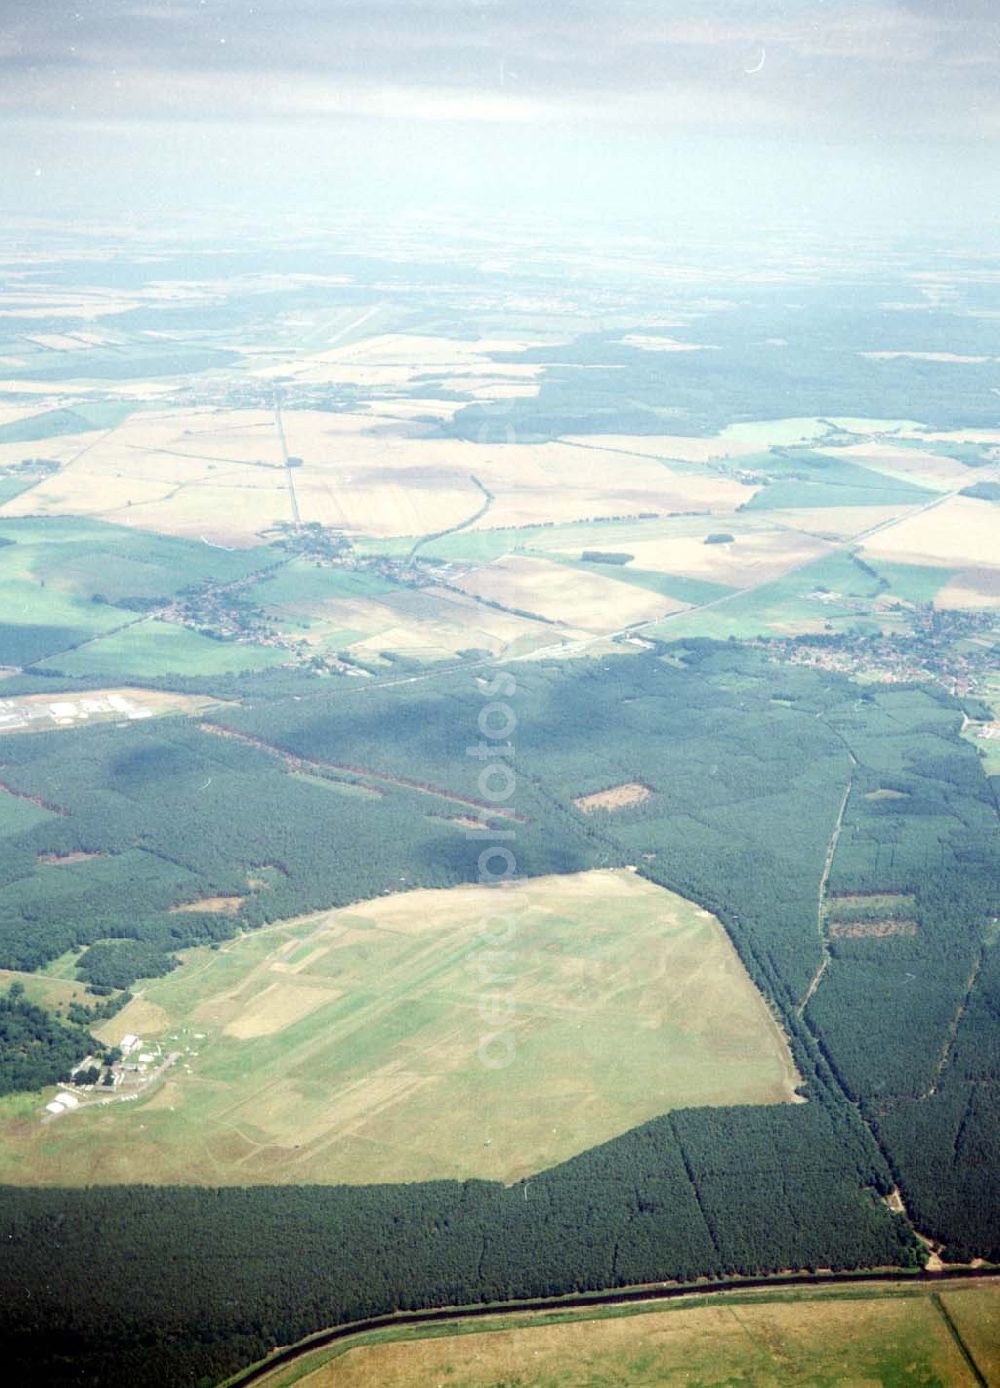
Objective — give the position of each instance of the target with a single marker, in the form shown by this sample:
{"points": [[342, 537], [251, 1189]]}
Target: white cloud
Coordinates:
{"points": [[837, 68]]}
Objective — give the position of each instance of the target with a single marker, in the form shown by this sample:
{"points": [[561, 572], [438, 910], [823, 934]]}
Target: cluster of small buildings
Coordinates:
{"points": [[954, 649], [134, 1060], [130, 1072]]}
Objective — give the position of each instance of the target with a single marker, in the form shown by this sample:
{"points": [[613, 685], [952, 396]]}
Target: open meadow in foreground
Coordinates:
{"points": [[828, 1339], [346, 1047]]}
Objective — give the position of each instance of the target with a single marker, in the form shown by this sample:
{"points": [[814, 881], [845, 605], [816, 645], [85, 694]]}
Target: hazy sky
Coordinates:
{"points": [[632, 106]]}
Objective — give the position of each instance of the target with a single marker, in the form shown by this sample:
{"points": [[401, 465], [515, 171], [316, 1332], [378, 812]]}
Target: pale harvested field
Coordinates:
{"points": [[838, 522], [58, 859], [483, 387], [539, 483], [145, 1018], [173, 471], [233, 513], [433, 623], [60, 449], [416, 483], [650, 343], [906, 465], [906, 428], [809, 1341], [214, 474], [972, 587], [754, 557], [75, 303], [589, 602], [408, 407], [732, 442], [617, 798], [63, 342], [19, 386], [961, 532], [395, 359], [345, 1047], [386, 500], [11, 414]]}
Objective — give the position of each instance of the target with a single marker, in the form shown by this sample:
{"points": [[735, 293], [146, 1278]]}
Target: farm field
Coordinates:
{"points": [[397, 360], [972, 588], [959, 533], [60, 579], [345, 1047], [199, 478], [838, 522], [935, 471], [588, 601], [734, 441], [151, 647], [831, 593], [823, 1339], [673, 546], [336, 608], [976, 1313], [217, 474], [669, 567]]}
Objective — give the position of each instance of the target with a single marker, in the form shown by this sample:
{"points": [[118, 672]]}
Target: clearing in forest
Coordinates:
{"points": [[616, 798], [870, 930], [35, 713], [449, 1033]]}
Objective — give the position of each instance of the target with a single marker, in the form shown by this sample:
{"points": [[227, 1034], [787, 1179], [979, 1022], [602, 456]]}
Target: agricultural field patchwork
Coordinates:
{"points": [[501, 525]]}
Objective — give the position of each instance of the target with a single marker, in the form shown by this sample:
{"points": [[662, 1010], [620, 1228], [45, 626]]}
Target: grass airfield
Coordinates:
{"points": [[344, 1048]]}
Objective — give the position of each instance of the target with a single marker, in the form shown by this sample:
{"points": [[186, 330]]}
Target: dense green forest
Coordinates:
{"points": [[786, 800], [144, 1302], [771, 360], [37, 1048]]}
